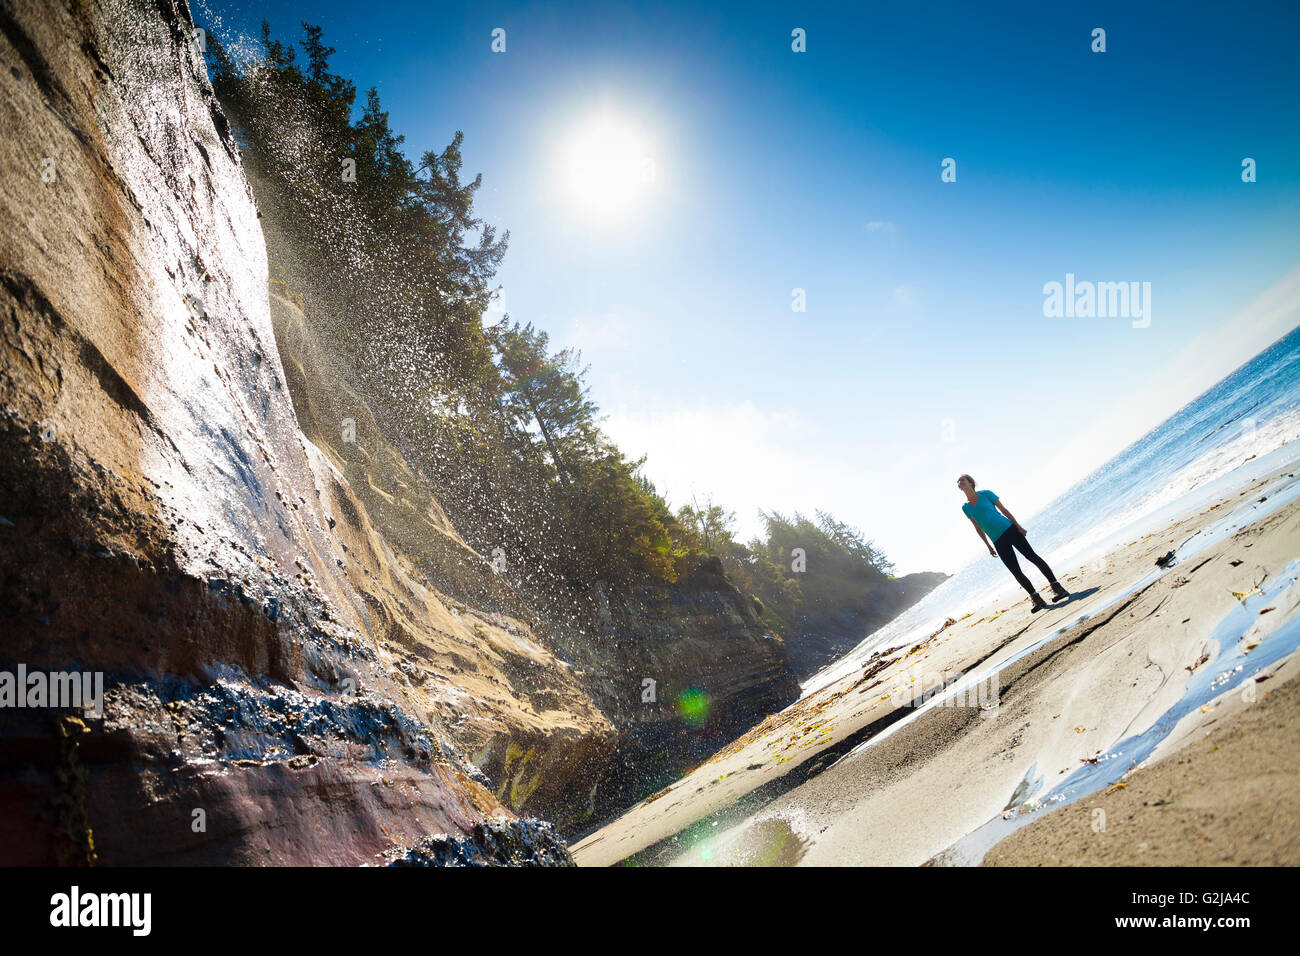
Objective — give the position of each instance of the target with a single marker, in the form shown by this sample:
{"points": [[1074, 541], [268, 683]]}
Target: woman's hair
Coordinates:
{"points": [[968, 478]]}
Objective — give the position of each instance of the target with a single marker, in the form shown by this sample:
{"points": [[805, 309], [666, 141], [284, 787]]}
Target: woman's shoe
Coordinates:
{"points": [[1038, 603], [1059, 593]]}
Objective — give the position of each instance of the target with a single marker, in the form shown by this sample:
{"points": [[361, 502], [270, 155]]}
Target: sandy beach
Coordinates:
{"points": [[1103, 702], [1228, 797]]}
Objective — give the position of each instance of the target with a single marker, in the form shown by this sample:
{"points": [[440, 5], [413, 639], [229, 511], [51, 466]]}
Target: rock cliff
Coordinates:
{"points": [[280, 686], [682, 671], [822, 639]]}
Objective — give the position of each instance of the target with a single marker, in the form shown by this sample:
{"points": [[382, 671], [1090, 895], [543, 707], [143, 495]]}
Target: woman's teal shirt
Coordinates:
{"points": [[991, 521]]}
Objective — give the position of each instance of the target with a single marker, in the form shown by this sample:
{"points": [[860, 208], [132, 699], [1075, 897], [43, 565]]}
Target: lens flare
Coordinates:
{"points": [[693, 705]]}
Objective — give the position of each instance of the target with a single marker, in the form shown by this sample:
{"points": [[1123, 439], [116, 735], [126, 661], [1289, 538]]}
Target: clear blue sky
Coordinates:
{"points": [[924, 351]]}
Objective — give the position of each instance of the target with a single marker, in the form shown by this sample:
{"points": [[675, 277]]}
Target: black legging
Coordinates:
{"points": [[1011, 538]]}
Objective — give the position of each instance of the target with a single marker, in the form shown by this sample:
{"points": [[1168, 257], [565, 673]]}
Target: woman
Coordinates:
{"points": [[994, 523]]}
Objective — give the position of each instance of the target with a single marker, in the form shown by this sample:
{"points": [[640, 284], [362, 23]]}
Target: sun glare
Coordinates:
{"points": [[606, 167]]}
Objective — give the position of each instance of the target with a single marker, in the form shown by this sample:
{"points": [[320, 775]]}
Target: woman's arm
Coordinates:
{"points": [[980, 531], [1010, 517]]}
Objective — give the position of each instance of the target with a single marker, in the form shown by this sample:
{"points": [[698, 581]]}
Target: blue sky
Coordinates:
{"points": [[924, 350]]}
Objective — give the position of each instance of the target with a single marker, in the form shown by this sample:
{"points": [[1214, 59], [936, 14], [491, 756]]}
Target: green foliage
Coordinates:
{"points": [[839, 567], [546, 390], [626, 536], [390, 255]]}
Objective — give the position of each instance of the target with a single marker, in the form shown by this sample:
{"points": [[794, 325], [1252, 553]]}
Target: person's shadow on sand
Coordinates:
{"points": [[1074, 596]]}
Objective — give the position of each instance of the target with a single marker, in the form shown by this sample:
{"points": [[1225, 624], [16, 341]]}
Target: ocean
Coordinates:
{"points": [[1244, 427]]}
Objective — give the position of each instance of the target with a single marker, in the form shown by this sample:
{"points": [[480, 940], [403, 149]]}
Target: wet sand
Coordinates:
{"points": [[854, 774], [1230, 796]]}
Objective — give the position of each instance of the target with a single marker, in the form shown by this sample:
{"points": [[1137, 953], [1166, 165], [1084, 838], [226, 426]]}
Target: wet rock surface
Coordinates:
{"points": [[499, 843]]}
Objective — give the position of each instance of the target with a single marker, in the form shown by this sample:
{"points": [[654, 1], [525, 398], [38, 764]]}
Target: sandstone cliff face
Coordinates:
{"points": [[571, 742], [478, 657], [269, 699]]}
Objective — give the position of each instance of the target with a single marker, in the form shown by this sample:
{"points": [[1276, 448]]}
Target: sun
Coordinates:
{"points": [[606, 167]]}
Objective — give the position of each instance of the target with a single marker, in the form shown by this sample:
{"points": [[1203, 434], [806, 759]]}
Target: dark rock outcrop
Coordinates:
{"points": [[822, 639], [498, 843], [682, 671]]}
